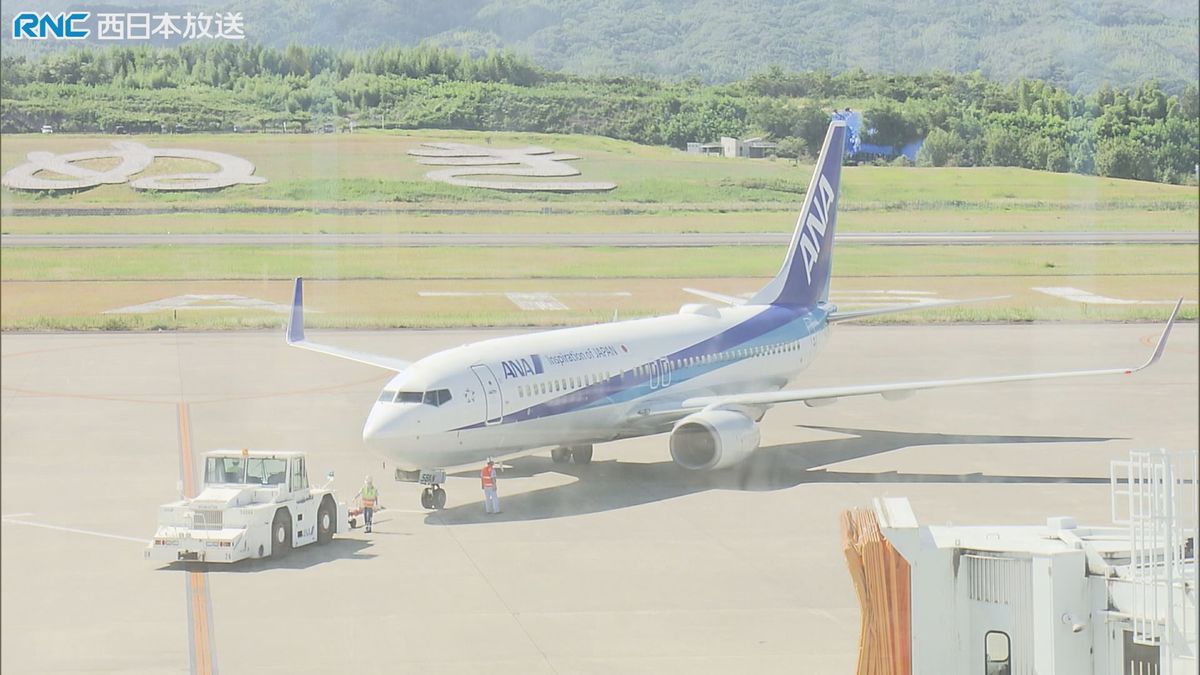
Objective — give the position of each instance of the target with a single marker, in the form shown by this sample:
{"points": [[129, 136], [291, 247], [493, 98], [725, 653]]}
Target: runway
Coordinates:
{"points": [[628, 565], [587, 240]]}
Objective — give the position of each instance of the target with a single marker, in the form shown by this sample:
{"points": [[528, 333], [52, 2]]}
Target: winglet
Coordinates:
{"points": [[1162, 341], [295, 329]]}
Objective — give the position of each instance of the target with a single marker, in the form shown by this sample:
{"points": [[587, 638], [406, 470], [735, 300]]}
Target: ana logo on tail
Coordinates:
{"points": [[815, 225]]}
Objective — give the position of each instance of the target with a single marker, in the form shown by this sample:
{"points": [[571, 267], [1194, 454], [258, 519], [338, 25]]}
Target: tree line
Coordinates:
{"points": [[964, 119]]}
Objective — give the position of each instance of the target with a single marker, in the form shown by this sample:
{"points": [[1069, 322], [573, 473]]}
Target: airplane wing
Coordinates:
{"points": [[816, 396], [863, 313], [295, 338]]}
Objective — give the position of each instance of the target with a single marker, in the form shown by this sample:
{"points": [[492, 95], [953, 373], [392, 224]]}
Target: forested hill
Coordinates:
{"points": [[1075, 44]]}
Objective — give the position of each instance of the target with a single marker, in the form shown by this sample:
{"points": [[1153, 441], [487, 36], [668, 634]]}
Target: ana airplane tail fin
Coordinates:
{"points": [[803, 281]]}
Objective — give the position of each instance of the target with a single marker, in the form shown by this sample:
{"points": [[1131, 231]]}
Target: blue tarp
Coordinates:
{"points": [[855, 146]]}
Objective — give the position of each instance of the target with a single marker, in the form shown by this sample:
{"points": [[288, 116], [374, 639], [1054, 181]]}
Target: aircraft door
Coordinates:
{"points": [[492, 400]]}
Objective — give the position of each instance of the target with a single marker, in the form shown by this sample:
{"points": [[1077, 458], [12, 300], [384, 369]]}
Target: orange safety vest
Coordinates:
{"points": [[488, 477]]}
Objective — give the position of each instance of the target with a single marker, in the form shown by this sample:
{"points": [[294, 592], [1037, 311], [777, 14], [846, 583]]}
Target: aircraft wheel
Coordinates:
{"points": [[427, 498], [560, 455], [439, 498], [582, 454], [281, 534]]}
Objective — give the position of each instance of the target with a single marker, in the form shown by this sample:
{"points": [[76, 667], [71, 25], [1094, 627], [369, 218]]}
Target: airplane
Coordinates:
{"points": [[706, 375]]}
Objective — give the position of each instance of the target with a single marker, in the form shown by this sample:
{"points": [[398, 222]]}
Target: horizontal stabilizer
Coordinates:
{"points": [[863, 313]]}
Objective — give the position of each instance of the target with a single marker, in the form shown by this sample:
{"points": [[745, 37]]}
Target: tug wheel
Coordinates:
{"points": [[325, 516], [281, 534]]}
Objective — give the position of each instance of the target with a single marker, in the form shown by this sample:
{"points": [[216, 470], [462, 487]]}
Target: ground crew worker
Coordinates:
{"points": [[369, 496], [487, 478]]}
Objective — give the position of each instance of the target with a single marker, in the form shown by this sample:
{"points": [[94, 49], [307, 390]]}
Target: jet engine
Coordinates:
{"points": [[713, 439]]}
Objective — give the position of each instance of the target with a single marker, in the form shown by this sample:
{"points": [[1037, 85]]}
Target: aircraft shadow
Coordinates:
{"points": [[608, 485], [299, 559]]}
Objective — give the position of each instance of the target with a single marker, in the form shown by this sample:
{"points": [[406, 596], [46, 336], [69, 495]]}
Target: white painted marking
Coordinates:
{"points": [[474, 160], [536, 301], [1087, 297], [886, 292], [195, 301], [74, 530], [14, 515]]}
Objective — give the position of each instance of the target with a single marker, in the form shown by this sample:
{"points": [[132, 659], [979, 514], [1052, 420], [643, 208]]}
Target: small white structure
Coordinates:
{"points": [[753, 148], [1060, 599], [254, 504]]}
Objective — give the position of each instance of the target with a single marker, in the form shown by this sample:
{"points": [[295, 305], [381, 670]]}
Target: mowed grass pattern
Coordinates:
{"points": [[374, 167]]}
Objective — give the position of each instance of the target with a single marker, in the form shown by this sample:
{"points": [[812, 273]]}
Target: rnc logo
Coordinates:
{"points": [[39, 26]]}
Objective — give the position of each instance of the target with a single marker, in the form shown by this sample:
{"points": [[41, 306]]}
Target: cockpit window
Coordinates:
{"points": [[387, 395], [434, 397]]}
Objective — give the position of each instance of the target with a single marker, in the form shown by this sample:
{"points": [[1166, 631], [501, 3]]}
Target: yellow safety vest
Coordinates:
{"points": [[369, 494]]}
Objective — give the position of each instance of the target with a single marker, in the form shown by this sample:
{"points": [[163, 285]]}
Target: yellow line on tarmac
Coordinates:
{"points": [[203, 658]]}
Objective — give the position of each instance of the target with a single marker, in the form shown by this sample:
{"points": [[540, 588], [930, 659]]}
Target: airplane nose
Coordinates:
{"points": [[377, 424]]}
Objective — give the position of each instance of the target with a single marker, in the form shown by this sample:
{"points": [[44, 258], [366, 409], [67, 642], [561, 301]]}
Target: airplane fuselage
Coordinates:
{"points": [[584, 385]]}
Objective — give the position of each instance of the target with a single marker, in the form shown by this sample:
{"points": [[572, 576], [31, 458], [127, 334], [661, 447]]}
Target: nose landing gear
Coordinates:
{"points": [[433, 498]]}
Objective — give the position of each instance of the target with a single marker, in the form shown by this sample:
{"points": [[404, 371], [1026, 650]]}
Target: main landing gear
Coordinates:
{"points": [[580, 454]]}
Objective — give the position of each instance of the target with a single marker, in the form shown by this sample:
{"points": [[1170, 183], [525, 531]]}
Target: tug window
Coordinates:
{"points": [[997, 655], [299, 475]]}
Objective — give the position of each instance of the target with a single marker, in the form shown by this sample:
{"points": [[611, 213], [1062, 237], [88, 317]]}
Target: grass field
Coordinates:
{"points": [[277, 262], [374, 167], [367, 183], [399, 303], [943, 220]]}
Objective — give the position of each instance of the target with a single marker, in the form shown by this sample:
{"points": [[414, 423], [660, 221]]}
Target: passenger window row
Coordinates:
{"points": [[567, 384]]}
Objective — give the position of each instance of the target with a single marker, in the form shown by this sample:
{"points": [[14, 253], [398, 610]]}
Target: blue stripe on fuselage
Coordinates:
{"points": [[773, 324]]}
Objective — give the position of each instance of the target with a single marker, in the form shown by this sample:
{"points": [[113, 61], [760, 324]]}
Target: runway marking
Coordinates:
{"points": [[73, 530], [1087, 297], [199, 301], [528, 301], [199, 599], [14, 515]]}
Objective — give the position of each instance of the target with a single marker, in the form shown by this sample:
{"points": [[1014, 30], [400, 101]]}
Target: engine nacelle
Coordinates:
{"points": [[713, 439]]}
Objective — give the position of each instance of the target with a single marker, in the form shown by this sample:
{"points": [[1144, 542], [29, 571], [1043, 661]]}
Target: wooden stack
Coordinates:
{"points": [[881, 579]]}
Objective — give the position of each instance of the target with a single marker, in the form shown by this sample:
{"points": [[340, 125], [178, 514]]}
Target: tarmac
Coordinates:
{"points": [[629, 565], [634, 240]]}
